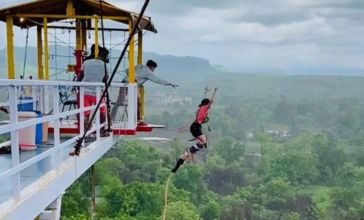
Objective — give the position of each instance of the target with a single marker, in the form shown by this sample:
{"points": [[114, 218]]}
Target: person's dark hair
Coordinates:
{"points": [[93, 49], [104, 54], [204, 102], [151, 63], [92, 53]]}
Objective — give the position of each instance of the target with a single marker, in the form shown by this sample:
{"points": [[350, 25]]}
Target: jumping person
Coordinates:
{"points": [[195, 129]]}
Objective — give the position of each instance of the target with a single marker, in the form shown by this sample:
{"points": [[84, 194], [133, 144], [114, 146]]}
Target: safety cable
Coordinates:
{"points": [[105, 72], [24, 65], [25, 52], [78, 144]]}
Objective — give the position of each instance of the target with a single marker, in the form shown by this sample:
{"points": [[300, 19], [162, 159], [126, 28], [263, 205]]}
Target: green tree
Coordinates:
{"points": [[330, 157], [228, 149], [225, 179], [135, 199], [211, 210], [139, 161], [281, 197], [182, 211], [284, 112], [190, 179], [347, 198], [76, 202], [293, 160], [238, 206], [107, 173]]}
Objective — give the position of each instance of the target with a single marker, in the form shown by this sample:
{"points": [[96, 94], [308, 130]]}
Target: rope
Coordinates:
{"points": [[24, 64], [25, 52], [166, 198], [62, 42]]}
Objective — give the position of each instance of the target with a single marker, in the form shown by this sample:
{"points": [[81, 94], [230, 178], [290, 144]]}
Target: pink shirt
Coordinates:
{"points": [[202, 114]]}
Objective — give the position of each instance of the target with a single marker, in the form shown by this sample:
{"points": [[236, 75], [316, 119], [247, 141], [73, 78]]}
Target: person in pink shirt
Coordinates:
{"points": [[196, 131]]}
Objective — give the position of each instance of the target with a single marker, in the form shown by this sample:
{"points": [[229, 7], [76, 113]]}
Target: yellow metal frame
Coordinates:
{"points": [[42, 44], [140, 47], [39, 52], [96, 38], [78, 35], [46, 51], [140, 61], [10, 47], [121, 18], [81, 43], [70, 10], [131, 57], [84, 36]]}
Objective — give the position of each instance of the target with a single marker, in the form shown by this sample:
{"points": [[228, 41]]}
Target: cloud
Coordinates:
{"points": [[251, 34], [10, 3], [284, 33]]}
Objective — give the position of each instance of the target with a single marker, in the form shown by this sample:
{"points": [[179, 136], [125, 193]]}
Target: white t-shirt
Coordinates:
{"points": [[93, 71]]}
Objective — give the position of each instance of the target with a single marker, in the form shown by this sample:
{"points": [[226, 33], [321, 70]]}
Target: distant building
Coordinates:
{"points": [[249, 135], [279, 131]]}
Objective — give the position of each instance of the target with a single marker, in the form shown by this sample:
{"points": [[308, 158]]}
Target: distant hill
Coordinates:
{"points": [[182, 65], [60, 56]]}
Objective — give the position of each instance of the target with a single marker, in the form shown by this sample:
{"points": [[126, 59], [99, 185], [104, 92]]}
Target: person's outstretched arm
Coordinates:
{"points": [[143, 72], [212, 97], [157, 80]]}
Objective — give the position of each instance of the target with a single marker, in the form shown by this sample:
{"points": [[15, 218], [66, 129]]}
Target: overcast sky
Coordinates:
{"points": [[254, 35]]}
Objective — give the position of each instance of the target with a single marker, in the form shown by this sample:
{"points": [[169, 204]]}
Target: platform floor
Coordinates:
{"points": [[35, 171]]}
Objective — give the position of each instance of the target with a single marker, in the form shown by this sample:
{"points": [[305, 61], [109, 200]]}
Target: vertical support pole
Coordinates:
{"points": [[140, 47], [46, 52], [10, 47], [78, 51], [82, 108], [46, 102], [53, 210], [140, 61], [14, 135], [96, 38], [35, 92], [98, 95], [131, 57], [93, 192], [132, 106], [84, 36], [78, 35], [56, 122], [141, 97], [39, 53], [70, 10], [39, 97]]}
